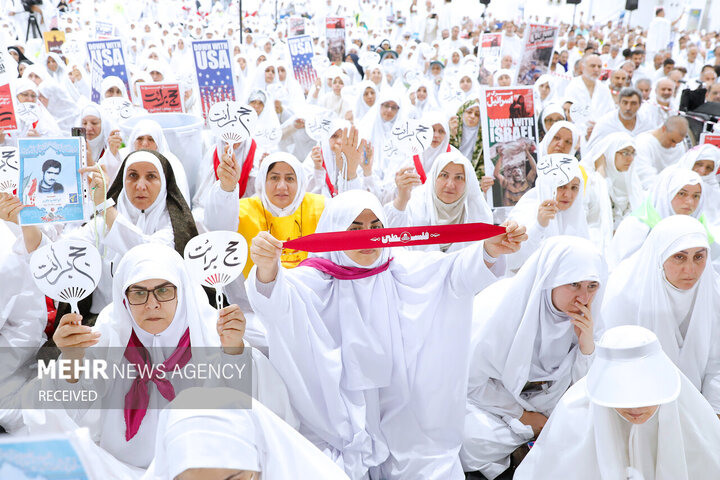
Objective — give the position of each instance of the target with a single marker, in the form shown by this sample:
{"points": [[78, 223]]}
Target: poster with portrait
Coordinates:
{"points": [[537, 51], [50, 186], [509, 142], [489, 56], [335, 33]]}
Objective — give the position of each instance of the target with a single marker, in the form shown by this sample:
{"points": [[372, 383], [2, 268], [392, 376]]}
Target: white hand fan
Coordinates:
{"points": [[318, 126], [67, 270], [27, 112], [559, 168], [320, 63], [215, 259], [232, 121], [412, 137], [368, 58], [9, 169], [277, 91], [118, 108], [268, 138]]}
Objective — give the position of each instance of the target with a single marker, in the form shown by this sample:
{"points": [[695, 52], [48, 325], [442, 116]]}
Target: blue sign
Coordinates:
{"points": [[214, 72], [106, 56], [301, 54]]}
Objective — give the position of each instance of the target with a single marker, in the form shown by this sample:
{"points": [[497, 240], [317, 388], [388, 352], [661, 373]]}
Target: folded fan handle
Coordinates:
{"points": [[74, 306], [219, 297]]}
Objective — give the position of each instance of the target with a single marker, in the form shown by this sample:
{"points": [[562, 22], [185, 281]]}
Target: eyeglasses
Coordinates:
{"points": [[162, 293], [627, 153], [389, 106]]}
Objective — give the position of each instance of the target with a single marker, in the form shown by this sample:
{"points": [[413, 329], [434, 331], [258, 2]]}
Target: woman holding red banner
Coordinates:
{"points": [[373, 343], [451, 196]]}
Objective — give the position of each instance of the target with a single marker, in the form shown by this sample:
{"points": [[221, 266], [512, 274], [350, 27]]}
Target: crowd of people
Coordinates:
{"points": [[580, 343]]}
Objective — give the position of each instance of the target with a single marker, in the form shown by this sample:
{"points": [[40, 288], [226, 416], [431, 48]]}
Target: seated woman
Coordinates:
{"points": [[144, 205], [148, 135], [705, 161], [365, 100], [451, 195], [281, 205], [532, 338], [549, 115], [550, 210], [158, 316], [676, 191], [103, 139], [634, 416], [341, 163], [669, 287], [613, 187], [356, 334], [27, 93], [232, 442]]}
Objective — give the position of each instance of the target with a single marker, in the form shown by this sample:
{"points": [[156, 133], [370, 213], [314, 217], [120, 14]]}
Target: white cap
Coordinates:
{"points": [[631, 370]]}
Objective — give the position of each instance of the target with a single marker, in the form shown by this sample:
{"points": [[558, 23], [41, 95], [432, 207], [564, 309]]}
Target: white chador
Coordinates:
{"points": [[425, 208], [231, 436], [108, 426], [587, 438], [685, 321], [519, 336], [376, 367]]}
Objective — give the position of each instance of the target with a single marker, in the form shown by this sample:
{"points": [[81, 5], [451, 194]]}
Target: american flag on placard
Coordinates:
{"points": [[301, 54], [214, 72]]}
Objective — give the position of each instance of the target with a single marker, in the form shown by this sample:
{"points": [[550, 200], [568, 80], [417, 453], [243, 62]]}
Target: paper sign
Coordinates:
{"points": [[214, 72], [557, 169], [8, 120], [67, 270], [277, 91], [215, 259], [296, 26], [412, 137], [580, 114], [537, 52], [161, 97], [335, 34], [318, 126], [9, 170], [107, 55], [50, 186], [301, 56], [103, 29], [490, 48], [119, 108], [28, 114], [232, 121], [54, 40]]}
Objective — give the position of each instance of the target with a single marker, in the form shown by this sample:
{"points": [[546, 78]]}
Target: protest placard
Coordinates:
{"points": [[107, 59], [301, 56], [335, 34], [537, 52], [489, 56], [214, 72], [509, 142], [161, 97]]}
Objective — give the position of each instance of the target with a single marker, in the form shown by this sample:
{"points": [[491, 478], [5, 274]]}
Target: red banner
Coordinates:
{"points": [[7, 111], [160, 98], [394, 237]]}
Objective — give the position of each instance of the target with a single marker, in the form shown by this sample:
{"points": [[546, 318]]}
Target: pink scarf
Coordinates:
{"points": [[342, 272], [138, 398]]}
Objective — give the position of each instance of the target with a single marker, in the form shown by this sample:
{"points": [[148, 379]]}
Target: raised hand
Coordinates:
{"points": [[507, 243], [231, 328], [265, 251]]}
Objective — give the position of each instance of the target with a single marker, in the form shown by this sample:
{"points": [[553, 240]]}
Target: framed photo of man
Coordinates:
{"points": [[50, 186]]}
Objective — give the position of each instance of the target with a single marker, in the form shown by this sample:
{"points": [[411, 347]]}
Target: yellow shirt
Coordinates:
{"points": [[254, 218]]}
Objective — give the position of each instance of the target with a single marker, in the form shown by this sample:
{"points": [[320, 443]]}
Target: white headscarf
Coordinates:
{"points": [[425, 208], [361, 108], [156, 215], [112, 81], [300, 177], [377, 131], [640, 294], [545, 143], [233, 436], [98, 143], [539, 103], [519, 336], [430, 154], [585, 440], [667, 184], [711, 190]]}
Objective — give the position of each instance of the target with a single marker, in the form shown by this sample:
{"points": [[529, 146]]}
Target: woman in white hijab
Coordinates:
{"points": [[376, 74], [79, 78], [55, 97], [562, 137], [158, 315], [532, 338], [357, 358], [103, 139], [59, 71], [232, 441], [543, 92], [548, 116], [549, 209], [676, 191], [634, 416], [113, 87], [267, 132], [420, 100], [503, 78], [669, 287], [367, 96], [613, 188], [450, 196], [33, 118], [148, 134], [705, 161]]}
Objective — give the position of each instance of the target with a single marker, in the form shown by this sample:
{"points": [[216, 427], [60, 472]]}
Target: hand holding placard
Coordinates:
{"points": [[67, 270], [215, 259], [232, 121]]}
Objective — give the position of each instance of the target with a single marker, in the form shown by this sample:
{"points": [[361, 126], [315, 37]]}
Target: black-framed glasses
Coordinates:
{"points": [[162, 293]]}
